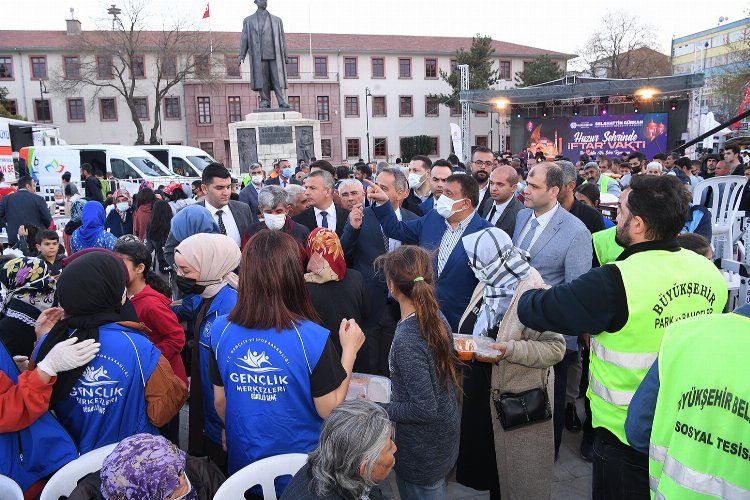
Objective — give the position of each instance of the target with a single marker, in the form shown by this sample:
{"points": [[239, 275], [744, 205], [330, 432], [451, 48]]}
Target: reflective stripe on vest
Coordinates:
{"points": [[693, 480], [657, 454], [618, 398], [630, 360]]}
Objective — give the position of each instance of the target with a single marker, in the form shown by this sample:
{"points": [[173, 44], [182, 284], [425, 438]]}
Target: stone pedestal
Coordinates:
{"points": [[269, 135]]}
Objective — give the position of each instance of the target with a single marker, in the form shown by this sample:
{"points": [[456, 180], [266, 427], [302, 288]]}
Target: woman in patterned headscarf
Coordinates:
{"points": [[120, 219], [518, 463], [29, 290], [147, 467], [336, 292]]}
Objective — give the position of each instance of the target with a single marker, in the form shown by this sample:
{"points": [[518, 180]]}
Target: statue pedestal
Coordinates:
{"points": [[272, 134]]}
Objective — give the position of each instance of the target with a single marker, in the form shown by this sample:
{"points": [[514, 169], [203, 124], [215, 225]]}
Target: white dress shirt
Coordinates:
{"points": [[227, 219], [394, 244], [331, 211], [543, 221], [499, 209], [482, 191], [450, 239]]}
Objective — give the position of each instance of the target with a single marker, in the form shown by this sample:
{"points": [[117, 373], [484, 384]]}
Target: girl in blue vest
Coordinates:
{"points": [[205, 265], [129, 387], [276, 373], [33, 444]]}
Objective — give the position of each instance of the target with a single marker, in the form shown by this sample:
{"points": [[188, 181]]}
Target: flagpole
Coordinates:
{"points": [[210, 33]]}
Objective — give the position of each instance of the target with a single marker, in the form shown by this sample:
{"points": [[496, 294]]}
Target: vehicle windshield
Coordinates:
{"points": [[149, 167], [199, 162]]}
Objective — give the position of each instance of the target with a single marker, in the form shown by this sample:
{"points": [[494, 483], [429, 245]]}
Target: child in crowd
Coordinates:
{"points": [[48, 248]]}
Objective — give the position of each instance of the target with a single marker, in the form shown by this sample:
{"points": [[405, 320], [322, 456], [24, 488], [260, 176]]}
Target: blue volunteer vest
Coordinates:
{"points": [[266, 376], [37, 451], [222, 305], [108, 402]]}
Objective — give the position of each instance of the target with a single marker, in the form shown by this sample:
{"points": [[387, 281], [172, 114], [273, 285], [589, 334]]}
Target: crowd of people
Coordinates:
{"points": [[259, 298]]}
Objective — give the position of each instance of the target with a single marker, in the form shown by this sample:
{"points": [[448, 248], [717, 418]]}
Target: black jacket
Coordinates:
{"points": [[204, 476], [507, 221], [93, 189], [22, 208], [307, 219]]}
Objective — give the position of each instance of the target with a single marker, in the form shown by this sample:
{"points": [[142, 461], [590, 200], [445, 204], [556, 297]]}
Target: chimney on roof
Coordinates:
{"points": [[73, 25]]}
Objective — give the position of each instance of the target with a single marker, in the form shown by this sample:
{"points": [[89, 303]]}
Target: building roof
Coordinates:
{"points": [[299, 42]]}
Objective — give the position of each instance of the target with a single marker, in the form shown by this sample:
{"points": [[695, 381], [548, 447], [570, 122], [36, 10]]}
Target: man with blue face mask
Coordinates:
{"points": [[285, 174], [441, 229]]}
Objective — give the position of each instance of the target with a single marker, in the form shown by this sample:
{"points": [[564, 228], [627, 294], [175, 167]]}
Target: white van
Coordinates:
{"points": [[185, 161]]}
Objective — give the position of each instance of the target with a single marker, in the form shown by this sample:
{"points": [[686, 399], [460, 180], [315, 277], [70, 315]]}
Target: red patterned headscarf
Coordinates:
{"points": [[325, 257]]}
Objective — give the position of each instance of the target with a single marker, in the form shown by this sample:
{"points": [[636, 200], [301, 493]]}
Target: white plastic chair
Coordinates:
{"points": [[725, 203], [66, 479], [9, 489], [262, 472]]}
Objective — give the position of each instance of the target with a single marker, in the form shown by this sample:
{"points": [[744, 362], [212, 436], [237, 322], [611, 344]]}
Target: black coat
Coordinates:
{"points": [[507, 221], [116, 225], [21, 208]]}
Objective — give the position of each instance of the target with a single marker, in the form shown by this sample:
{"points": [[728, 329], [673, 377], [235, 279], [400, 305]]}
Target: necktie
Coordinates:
{"points": [[324, 215], [222, 227], [526, 243], [492, 213]]}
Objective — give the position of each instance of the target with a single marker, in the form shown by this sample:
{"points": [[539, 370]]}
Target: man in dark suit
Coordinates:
{"points": [[440, 171], [322, 212], [285, 174], [364, 241], [24, 207], [233, 217], [501, 208], [249, 193], [419, 183], [482, 163], [441, 230]]}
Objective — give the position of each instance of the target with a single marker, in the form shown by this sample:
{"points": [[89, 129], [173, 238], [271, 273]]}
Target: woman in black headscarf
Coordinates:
{"points": [[129, 387]]}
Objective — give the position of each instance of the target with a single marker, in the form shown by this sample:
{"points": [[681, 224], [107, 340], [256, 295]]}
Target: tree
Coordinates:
{"points": [[3, 109], [479, 57], [542, 69], [612, 50], [730, 81], [417, 145], [113, 59]]}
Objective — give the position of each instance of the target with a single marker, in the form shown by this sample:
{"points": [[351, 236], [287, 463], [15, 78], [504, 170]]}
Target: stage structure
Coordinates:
{"points": [[574, 116]]}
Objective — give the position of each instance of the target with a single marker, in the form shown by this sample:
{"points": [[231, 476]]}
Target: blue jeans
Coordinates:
{"points": [[411, 491]]}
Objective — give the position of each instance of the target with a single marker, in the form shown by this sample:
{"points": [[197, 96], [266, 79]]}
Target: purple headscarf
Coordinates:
{"points": [[143, 467]]}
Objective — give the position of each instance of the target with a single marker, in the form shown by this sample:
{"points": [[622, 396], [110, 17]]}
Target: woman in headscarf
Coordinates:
{"points": [[29, 290], [336, 292], [146, 200], [120, 218], [270, 348], [129, 387], [92, 234], [76, 212], [521, 459], [205, 265], [195, 219], [146, 467]]}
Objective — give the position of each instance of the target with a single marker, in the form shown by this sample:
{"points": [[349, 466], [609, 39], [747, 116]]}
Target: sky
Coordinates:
{"points": [[560, 25]]}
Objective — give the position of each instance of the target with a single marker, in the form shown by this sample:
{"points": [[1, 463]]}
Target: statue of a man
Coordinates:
{"points": [[263, 37]]}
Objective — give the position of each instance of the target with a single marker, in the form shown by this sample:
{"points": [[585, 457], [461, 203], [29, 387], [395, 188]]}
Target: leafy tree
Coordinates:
{"points": [[542, 69], [417, 145], [480, 58], [3, 101]]}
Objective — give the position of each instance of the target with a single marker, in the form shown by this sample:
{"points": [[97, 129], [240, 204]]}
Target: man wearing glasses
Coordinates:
{"points": [[482, 163]]}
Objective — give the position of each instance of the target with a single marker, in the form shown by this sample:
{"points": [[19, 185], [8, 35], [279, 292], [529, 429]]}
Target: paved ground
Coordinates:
{"points": [[572, 475]]}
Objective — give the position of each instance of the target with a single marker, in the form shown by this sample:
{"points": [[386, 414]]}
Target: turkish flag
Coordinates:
{"points": [[206, 13]]}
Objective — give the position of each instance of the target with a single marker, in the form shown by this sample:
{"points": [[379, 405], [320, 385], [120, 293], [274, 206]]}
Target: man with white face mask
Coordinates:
{"points": [[454, 217], [419, 183], [273, 203], [249, 193]]}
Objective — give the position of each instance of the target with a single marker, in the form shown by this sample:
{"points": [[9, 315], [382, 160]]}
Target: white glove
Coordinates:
{"points": [[68, 355]]}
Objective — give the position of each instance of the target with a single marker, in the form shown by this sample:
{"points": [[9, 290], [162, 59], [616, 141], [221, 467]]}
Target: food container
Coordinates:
{"points": [[372, 387], [469, 347]]}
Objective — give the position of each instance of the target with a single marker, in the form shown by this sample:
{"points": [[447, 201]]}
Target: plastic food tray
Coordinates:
{"points": [[373, 387], [469, 347]]}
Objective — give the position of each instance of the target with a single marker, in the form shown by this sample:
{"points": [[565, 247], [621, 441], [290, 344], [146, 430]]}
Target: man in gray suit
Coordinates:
{"points": [[249, 193], [263, 38], [560, 248], [502, 207]]}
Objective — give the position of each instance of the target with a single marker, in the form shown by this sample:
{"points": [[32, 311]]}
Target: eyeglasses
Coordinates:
{"points": [[485, 163]]}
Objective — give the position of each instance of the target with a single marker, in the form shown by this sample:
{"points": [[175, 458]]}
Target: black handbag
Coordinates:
{"points": [[524, 408]]}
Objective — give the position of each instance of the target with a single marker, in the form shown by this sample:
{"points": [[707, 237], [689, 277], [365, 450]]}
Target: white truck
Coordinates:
{"points": [[17, 134], [185, 161]]}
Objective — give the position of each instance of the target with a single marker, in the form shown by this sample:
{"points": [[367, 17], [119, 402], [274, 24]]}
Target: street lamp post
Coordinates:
{"points": [[367, 121]]}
